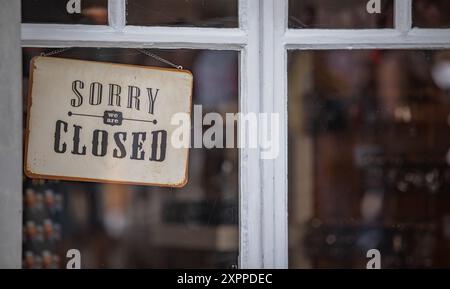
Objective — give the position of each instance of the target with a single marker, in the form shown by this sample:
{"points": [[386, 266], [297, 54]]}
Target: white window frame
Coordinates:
{"points": [[263, 40]]}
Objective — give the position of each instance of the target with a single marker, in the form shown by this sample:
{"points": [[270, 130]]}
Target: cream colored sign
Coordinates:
{"points": [[105, 122]]}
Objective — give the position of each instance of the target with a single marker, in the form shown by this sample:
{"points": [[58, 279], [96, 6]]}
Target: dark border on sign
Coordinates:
{"points": [[32, 175]]}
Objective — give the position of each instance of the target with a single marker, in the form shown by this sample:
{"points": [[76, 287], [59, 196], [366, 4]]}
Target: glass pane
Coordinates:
{"points": [[339, 14], [199, 13], [121, 226], [65, 11], [431, 13], [369, 158]]}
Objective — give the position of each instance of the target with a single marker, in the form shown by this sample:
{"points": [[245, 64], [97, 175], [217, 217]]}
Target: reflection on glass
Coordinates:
{"points": [[369, 158], [199, 13], [339, 14], [94, 12], [120, 226], [431, 13]]}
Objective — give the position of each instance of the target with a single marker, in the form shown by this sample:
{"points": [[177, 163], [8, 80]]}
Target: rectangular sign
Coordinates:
{"points": [[105, 122]]}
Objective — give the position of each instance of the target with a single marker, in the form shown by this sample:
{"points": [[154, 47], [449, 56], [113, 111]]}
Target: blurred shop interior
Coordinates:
{"points": [[121, 226], [369, 152]]}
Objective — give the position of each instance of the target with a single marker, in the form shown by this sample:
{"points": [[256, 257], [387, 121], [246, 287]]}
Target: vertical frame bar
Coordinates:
{"points": [[250, 225], [263, 183], [403, 15], [280, 189], [10, 137], [117, 14], [267, 106], [274, 100]]}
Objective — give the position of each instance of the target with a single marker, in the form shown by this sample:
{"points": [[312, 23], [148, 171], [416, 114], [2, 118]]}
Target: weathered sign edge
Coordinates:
{"points": [[32, 175]]}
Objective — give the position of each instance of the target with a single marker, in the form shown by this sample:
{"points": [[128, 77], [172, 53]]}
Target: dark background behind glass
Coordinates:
{"points": [[369, 161], [54, 11], [185, 13], [342, 14], [121, 226], [431, 13], [198, 13]]}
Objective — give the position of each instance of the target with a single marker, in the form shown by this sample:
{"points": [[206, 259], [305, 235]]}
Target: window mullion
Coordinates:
{"points": [[243, 14], [280, 167], [250, 225], [403, 15], [117, 14], [274, 101]]}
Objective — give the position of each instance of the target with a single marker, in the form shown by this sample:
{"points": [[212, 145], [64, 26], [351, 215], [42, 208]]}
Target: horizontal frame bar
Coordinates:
{"points": [[367, 39], [56, 35], [62, 35]]}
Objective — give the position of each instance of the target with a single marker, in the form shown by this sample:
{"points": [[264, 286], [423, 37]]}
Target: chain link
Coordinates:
{"points": [[56, 51], [143, 51], [159, 58]]}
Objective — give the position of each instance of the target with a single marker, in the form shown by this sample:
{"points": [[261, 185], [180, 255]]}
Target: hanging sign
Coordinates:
{"points": [[105, 122]]}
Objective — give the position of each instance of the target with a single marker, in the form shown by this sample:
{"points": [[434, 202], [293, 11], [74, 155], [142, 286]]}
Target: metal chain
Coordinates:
{"points": [[148, 53], [56, 51], [159, 58]]}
